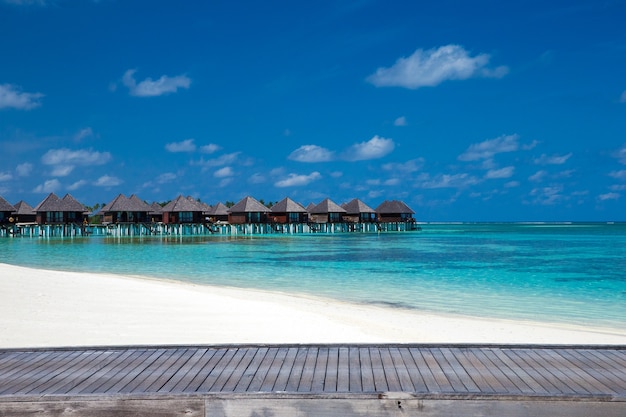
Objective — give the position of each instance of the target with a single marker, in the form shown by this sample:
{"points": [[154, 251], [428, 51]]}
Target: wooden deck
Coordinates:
{"points": [[290, 380]]}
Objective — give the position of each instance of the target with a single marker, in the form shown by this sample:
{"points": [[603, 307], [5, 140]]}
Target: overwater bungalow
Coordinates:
{"points": [[218, 213], [358, 212], [288, 211], [248, 210], [6, 212], [54, 210], [327, 211], [156, 212], [24, 213], [183, 210], [394, 211], [126, 210]]}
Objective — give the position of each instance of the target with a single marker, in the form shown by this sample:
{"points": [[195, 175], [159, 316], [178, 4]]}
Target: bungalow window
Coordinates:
{"points": [[186, 217], [294, 217], [2, 216], [54, 216], [254, 217]]}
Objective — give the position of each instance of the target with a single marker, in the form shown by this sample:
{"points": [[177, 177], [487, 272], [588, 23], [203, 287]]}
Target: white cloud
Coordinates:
{"points": [[78, 157], [210, 148], [620, 154], [24, 170], [400, 121], [225, 181], [186, 145], [151, 88], [11, 97], [256, 179], [49, 186], [166, 177], [311, 153], [489, 148], [224, 172], [552, 160], [530, 145], [618, 187], [77, 185], [622, 98], [62, 170], [538, 176], [512, 184], [434, 66], [294, 180], [226, 159], [506, 172], [374, 148], [5, 176], [547, 195], [107, 181], [446, 181], [609, 196], [83, 133], [407, 167], [620, 175]]}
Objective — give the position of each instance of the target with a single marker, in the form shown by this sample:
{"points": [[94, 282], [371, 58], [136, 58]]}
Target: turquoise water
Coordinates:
{"points": [[559, 273]]}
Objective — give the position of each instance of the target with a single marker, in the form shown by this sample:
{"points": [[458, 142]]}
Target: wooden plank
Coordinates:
{"points": [[612, 368], [511, 379], [171, 368], [367, 375], [183, 377], [500, 373], [530, 386], [136, 372], [72, 379], [456, 373], [332, 368], [152, 371], [481, 374], [31, 377], [319, 375], [285, 370], [222, 371], [406, 385], [573, 372], [605, 384], [393, 382], [354, 365], [197, 383], [442, 380], [9, 360], [103, 372], [547, 381], [427, 376], [28, 364], [551, 370], [272, 374], [252, 371], [296, 370], [310, 365], [419, 385], [263, 368], [238, 372], [343, 370], [378, 371]]}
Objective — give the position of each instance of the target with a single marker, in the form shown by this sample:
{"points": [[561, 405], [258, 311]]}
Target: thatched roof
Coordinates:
{"points": [[356, 206], [53, 203], [6, 206], [22, 208], [219, 210], [393, 207], [287, 205], [327, 206], [181, 204], [310, 207], [155, 208], [248, 205], [130, 204]]}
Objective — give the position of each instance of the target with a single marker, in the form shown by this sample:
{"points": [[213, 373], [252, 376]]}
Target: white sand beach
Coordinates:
{"points": [[40, 308]]}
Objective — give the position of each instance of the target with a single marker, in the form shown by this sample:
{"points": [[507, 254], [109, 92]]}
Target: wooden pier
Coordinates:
{"points": [[315, 380]]}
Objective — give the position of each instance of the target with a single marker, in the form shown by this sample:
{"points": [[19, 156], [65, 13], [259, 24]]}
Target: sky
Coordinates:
{"points": [[466, 111]]}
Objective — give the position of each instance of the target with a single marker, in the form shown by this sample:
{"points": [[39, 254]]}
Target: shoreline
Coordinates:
{"points": [[42, 308]]}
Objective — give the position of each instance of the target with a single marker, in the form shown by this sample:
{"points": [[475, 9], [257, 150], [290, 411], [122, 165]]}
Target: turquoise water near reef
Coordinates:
{"points": [[568, 273]]}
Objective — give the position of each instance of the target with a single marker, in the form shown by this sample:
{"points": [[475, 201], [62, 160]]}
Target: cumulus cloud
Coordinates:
{"points": [[295, 180], [75, 157], [78, 184], [619, 175], [11, 97], [489, 148], [538, 176], [210, 148], [226, 159], [152, 88], [24, 170], [107, 181], [311, 153], [547, 196], [609, 196], [620, 154], [49, 186], [552, 160], [506, 172], [186, 145], [224, 172], [62, 170], [166, 178], [447, 181], [374, 148], [83, 133], [5, 176], [256, 178], [428, 68], [400, 121]]}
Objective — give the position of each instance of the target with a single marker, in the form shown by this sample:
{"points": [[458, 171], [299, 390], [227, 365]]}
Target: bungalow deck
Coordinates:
{"points": [[315, 380]]}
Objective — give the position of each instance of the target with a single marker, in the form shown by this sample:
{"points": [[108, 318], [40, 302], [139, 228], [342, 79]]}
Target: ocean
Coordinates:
{"points": [[565, 273]]}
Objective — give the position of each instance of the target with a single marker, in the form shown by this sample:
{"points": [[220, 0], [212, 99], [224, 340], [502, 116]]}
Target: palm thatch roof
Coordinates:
{"points": [[327, 206], [219, 210], [181, 204], [130, 204], [155, 208], [6, 206], [356, 206], [310, 207], [22, 208], [248, 205], [53, 203], [287, 205], [393, 207]]}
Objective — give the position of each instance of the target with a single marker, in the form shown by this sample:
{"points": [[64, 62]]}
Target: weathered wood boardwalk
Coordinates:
{"points": [[295, 380]]}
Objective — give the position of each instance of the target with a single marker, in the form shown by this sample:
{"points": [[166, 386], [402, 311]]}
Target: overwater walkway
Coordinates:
{"points": [[290, 380]]}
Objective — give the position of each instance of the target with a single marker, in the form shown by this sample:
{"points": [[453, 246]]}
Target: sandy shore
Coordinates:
{"points": [[51, 308]]}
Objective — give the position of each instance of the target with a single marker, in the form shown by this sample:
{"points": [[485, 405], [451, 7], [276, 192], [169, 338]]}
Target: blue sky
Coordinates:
{"points": [[467, 111]]}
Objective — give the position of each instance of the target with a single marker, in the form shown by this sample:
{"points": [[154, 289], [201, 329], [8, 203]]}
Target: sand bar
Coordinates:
{"points": [[40, 308]]}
